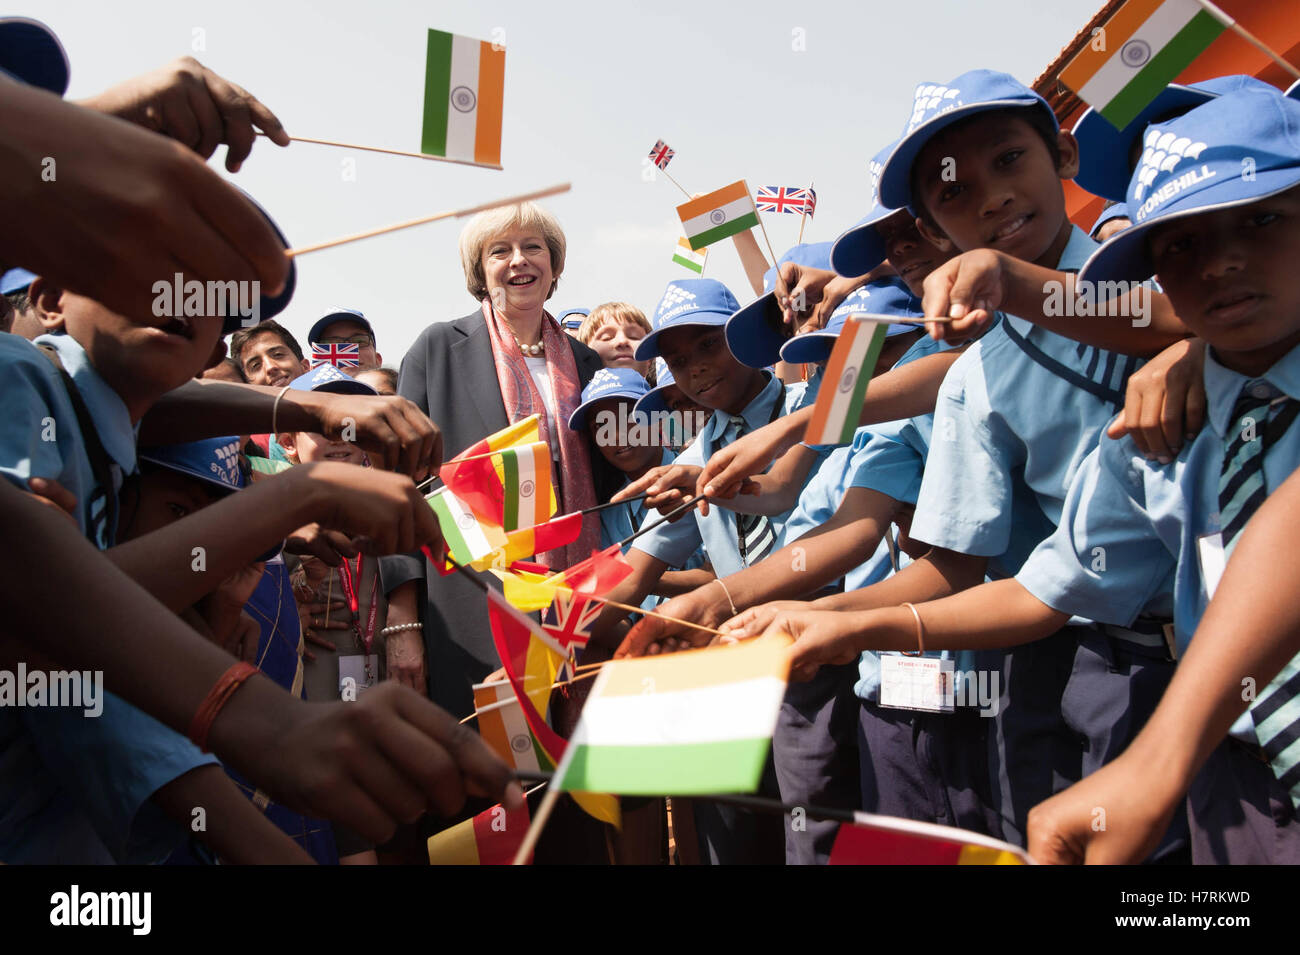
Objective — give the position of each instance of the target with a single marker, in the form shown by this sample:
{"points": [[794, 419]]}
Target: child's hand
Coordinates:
{"points": [[967, 289], [382, 509], [1164, 403], [728, 469], [1129, 803], [186, 101], [807, 296], [650, 636], [820, 637], [666, 487], [53, 494], [752, 622], [331, 548], [396, 434]]}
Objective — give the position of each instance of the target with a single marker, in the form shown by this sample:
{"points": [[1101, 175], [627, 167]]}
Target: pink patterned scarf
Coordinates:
{"points": [[574, 490]]}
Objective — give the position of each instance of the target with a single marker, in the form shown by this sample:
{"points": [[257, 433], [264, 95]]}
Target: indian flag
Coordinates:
{"points": [[687, 723], [1138, 52], [526, 476], [504, 728], [722, 213], [844, 384], [685, 256], [467, 538], [886, 840], [490, 838], [464, 84]]}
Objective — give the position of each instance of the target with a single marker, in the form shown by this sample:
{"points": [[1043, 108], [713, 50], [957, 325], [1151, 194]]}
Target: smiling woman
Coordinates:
{"points": [[504, 361]]}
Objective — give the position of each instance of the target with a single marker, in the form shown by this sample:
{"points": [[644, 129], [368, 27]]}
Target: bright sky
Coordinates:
{"points": [[775, 93]]}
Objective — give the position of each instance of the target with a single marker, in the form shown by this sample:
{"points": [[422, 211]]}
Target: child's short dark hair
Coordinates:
{"points": [[19, 299], [239, 341], [1038, 119]]}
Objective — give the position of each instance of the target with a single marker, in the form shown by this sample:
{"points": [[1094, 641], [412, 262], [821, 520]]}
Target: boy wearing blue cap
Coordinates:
{"points": [[981, 162], [1135, 535], [70, 417]]}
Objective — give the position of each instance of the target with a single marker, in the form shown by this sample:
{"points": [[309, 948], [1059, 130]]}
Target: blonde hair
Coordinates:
{"points": [[620, 313], [483, 227]]}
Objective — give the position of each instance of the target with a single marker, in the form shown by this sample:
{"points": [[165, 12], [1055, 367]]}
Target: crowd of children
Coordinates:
{"points": [[1035, 513]]}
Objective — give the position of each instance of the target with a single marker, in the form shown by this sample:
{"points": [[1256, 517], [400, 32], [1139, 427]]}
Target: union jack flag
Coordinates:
{"points": [[339, 355], [785, 199], [570, 617], [661, 154]]}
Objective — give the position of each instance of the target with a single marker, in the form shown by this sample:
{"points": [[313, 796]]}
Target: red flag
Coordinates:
{"points": [[885, 840]]}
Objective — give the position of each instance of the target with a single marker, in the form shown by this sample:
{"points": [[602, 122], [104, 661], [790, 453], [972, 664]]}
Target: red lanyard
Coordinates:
{"points": [[350, 591]]}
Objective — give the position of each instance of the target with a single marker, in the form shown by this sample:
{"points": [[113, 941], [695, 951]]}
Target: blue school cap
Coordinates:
{"points": [[330, 379], [214, 460], [1116, 210], [338, 315], [32, 54], [571, 318], [15, 280], [653, 400], [270, 305], [1293, 90], [1104, 150], [756, 332], [608, 383], [887, 296], [936, 106], [1194, 164], [704, 302], [860, 249]]}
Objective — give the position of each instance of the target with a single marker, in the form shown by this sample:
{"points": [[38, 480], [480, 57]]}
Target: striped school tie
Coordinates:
{"points": [[1242, 489], [754, 534]]}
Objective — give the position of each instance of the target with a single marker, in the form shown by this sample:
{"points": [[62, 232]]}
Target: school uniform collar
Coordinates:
{"points": [[107, 410], [1223, 386], [756, 414], [1077, 250]]}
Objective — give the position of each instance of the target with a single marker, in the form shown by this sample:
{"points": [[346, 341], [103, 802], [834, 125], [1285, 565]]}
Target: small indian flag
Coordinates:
{"points": [[526, 477], [1138, 51], [844, 384], [503, 727], [717, 215], [464, 84], [684, 255], [467, 538], [687, 723]]}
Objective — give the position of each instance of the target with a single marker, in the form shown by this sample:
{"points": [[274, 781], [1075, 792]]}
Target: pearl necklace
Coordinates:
{"points": [[534, 350]]}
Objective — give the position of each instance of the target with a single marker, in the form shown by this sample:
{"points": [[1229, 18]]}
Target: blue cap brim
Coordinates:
{"points": [[895, 185], [30, 52], [578, 420], [326, 321], [1104, 168], [860, 249], [648, 347], [653, 400], [756, 332], [1124, 257], [269, 305], [809, 348]]}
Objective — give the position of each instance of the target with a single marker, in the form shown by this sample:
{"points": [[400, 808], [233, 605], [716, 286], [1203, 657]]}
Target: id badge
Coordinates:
{"points": [[357, 673], [916, 683], [1209, 550]]}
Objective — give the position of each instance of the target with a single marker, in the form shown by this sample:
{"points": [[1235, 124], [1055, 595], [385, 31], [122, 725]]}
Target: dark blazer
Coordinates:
{"points": [[450, 374]]}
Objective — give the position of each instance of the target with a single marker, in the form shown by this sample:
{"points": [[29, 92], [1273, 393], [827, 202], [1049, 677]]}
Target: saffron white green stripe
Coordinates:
{"points": [[503, 727], [684, 255], [718, 214], [694, 722], [466, 537], [844, 384]]}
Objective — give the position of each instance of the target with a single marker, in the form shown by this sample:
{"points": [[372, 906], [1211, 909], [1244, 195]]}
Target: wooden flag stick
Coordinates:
{"points": [[691, 502], [772, 251], [452, 214], [601, 507], [390, 152], [535, 827], [803, 214], [652, 613], [675, 183], [1218, 14]]}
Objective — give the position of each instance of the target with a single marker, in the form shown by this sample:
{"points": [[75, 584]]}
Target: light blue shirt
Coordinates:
{"points": [[675, 542], [804, 393], [1003, 420], [1144, 519], [75, 789]]}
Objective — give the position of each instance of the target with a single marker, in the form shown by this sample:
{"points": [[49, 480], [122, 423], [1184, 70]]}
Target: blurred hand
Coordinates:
{"points": [[397, 435], [53, 494]]}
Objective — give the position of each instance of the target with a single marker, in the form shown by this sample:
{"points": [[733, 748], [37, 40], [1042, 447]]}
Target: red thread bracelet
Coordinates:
{"points": [[217, 697]]}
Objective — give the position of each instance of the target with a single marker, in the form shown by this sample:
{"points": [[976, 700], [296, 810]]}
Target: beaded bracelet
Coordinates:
{"points": [[217, 697]]}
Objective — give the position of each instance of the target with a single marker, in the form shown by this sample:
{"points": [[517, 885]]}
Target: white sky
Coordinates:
{"points": [[589, 88]]}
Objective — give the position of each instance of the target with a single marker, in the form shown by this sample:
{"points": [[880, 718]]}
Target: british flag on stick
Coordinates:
{"points": [[662, 154], [340, 355], [785, 199]]}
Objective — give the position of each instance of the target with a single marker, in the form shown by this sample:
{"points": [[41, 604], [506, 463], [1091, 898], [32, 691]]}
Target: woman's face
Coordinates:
{"points": [[517, 269], [616, 343]]}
